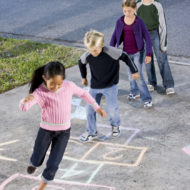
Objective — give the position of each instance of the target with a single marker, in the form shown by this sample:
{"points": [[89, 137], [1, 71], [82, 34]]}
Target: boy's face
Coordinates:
{"points": [[95, 51], [129, 12]]}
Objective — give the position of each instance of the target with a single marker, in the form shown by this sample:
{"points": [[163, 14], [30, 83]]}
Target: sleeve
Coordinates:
{"points": [[82, 64], [124, 57], [146, 36], [113, 38], [82, 68], [85, 96], [162, 27], [25, 106]]}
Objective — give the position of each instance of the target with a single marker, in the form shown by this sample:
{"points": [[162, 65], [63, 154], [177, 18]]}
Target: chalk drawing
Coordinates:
{"points": [[187, 149], [112, 154], [52, 186], [94, 145], [80, 111], [71, 172], [6, 158], [60, 184]]}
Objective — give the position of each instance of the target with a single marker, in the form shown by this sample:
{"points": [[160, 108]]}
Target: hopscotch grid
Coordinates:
{"points": [[17, 175]]}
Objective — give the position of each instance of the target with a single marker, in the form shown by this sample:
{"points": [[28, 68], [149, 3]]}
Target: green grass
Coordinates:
{"points": [[19, 58]]}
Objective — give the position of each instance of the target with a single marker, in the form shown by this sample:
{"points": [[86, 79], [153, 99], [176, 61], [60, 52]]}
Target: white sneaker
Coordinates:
{"points": [[150, 88], [147, 104], [115, 131], [133, 97], [170, 91]]}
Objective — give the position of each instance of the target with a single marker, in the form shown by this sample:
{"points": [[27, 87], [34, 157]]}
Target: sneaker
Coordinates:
{"points": [[86, 137], [133, 97], [170, 91], [115, 131], [31, 169], [150, 88], [147, 104]]}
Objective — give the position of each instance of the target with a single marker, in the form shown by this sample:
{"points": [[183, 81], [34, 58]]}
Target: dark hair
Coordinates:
{"points": [[49, 71]]}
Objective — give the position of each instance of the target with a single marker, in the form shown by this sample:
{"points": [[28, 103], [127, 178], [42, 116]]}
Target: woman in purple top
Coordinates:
{"points": [[132, 31]]}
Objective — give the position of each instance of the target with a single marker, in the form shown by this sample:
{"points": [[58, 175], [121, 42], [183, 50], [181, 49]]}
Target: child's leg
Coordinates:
{"points": [[41, 146], [59, 143], [144, 93], [162, 60], [151, 73], [91, 114], [111, 95], [133, 85], [42, 185]]}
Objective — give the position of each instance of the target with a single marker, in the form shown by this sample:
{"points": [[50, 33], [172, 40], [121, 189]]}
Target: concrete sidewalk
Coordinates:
{"points": [[147, 156]]}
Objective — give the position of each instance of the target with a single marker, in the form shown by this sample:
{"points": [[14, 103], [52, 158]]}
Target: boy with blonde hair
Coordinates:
{"points": [[152, 13], [104, 67]]}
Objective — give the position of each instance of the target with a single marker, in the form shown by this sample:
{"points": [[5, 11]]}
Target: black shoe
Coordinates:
{"points": [[31, 169]]}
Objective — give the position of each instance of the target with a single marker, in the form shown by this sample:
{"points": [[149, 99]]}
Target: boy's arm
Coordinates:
{"points": [[162, 26], [124, 57], [82, 68]]}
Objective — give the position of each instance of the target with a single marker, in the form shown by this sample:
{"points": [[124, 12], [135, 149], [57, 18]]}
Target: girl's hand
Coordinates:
{"points": [[28, 98], [84, 82], [101, 112], [135, 76], [147, 59]]}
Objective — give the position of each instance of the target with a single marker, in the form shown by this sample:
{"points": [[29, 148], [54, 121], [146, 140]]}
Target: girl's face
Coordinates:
{"points": [[53, 84], [129, 12]]}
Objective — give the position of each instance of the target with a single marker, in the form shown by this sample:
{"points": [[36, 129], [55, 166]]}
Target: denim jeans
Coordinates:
{"points": [[139, 85], [112, 110], [58, 141], [162, 61]]}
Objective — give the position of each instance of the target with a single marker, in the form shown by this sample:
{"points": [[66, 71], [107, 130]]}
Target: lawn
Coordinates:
{"points": [[19, 58]]}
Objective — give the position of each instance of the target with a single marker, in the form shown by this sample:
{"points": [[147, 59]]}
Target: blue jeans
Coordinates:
{"points": [[139, 86], [162, 61], [112, 110], [58, 141]]}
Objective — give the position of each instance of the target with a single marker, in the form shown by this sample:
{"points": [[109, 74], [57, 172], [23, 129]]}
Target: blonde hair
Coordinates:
{"points": [[93, 39], [129, 3]]}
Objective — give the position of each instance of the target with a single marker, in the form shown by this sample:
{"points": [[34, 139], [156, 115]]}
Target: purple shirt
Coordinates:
{"points": [[129, 42], [140, 32]]}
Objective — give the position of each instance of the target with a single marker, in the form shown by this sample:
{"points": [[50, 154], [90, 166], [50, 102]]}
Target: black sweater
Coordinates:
{"points": [[105, 67]]}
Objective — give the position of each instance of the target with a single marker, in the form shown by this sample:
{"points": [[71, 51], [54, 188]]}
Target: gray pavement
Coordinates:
{"points": [[148, 154], [62, 21]]}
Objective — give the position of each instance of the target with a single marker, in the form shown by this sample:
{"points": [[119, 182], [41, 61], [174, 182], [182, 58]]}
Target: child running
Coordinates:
{"points": [[131, 30], [53, 94], [152, 13], [104, 67]]}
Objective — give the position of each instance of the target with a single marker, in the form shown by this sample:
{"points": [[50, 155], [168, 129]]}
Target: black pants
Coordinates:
{"points": [[58, 141]]}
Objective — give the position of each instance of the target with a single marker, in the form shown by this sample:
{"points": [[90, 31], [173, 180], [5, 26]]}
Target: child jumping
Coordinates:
{"points": [[53, 94], [152, 13], [131, 30], [104, 67]]}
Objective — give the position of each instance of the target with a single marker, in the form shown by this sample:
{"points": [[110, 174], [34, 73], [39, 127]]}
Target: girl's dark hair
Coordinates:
{"points": [[49, 71]]}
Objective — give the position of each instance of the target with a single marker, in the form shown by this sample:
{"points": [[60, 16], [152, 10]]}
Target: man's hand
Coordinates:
{"points": [[147, 59], [28, 98], [135, 76], [84, 82]]}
